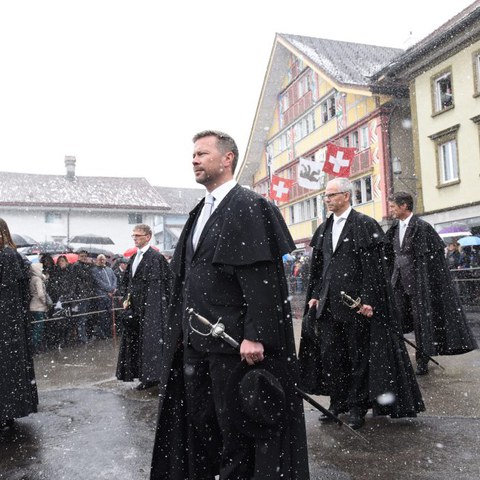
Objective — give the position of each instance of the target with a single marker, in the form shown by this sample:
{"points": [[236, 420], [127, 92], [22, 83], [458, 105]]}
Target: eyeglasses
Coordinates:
{"points": [[331, 195], [136, 236]]}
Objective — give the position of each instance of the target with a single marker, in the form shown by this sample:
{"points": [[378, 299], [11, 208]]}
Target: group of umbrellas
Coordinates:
{"points": [[461, 234], [88, 241]]}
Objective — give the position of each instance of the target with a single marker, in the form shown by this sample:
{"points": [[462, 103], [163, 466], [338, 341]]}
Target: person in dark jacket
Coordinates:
{"points": [[18, 389], [424, 293], [228, 266], [147, 283], [105, 282], [356, 356], [83, 291], [61, 284]]}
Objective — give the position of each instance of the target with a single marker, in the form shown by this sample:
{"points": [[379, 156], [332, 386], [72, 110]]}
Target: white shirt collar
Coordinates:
{"points": [[221, 192], [144, 249], [407, 220], [344, 215]]}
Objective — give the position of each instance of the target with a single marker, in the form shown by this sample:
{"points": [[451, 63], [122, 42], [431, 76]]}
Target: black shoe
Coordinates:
{"points": [[422, 370], [335, 411], [422, 367], [146, 385], [356, 419]]}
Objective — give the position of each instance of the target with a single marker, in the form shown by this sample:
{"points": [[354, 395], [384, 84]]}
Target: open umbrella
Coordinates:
{"points": [[23, 240], [71, 257], [454, 231], [469, 241], [92, 239]]}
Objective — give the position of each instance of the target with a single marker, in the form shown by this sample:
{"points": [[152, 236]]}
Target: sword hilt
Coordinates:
{"points": [[349, 301]]}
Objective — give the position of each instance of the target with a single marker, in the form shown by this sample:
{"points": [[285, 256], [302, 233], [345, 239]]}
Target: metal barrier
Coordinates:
{"points": [[467, 281]]}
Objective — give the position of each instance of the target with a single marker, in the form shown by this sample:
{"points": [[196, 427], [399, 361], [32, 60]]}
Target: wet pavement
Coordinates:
{"points": [[91, 426]]}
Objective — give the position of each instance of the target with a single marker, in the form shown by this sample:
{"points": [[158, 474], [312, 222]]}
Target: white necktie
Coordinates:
{"points": [[204, 216], [136, 262], [403, 229], [336, 231]]}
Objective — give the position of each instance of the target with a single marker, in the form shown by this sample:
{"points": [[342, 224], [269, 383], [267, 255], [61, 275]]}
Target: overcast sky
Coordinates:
{"points": [[124, 85]]}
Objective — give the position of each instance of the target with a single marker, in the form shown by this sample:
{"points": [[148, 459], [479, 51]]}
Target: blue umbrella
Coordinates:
{"points": [[469, 241]]}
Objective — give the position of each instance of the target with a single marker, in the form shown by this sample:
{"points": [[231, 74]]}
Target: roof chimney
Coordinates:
{"points": [[70, 162]]}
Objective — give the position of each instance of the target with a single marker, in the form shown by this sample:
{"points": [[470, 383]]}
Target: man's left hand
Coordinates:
{"points": [[251, 352], [366, 310]]}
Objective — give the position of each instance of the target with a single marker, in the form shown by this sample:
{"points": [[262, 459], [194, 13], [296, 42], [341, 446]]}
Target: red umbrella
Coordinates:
{"points": [[129, 252], [71, 257]]}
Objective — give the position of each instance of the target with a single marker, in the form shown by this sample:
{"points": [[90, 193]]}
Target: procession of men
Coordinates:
{"points": [[213, 330]]}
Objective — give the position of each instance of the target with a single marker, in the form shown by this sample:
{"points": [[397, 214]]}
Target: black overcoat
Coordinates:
{"points": [[141, 347], [390, 369], [18, 390], [249, 231], [443, 324]]}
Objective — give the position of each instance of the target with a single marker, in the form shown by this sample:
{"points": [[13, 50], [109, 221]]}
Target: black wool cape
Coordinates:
{"points": [[390, 369], [252, 231], [141, 348], [18, 390], [444, 328]]}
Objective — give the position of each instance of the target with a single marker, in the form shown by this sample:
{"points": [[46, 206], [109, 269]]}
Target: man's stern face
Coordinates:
{"points": [[211, 167]]}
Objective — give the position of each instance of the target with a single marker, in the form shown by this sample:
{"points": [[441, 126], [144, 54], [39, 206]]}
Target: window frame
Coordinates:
{"points": [[137, 216], [440, 139], [476, 73], [436, 93], [366, 193]]}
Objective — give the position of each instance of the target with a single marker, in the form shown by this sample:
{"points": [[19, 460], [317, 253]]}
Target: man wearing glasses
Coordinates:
{"points": [[147, 286], [353, 355]]}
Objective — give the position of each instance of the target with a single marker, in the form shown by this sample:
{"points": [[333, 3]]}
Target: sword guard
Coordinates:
{"points": [[349, 301]]}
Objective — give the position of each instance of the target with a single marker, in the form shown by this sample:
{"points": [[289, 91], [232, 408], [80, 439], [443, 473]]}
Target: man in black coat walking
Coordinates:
{"points": [[355, 356], [147, 283], [424, 293], [228, 266]]}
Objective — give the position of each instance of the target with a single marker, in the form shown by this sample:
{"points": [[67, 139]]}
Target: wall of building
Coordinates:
{"points": [[466, 107]]}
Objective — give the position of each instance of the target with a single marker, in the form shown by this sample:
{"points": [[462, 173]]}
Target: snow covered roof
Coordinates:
{"points": [[346, 62], [33, 190], [462, 29], [181, 200]]}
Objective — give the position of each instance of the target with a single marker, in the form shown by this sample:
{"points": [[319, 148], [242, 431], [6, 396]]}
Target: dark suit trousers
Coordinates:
{"points": [[206, 376], [407, 309], [345, 350]]}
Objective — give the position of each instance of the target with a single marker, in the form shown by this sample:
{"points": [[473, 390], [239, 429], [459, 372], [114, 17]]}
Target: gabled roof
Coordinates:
{"points": [[33, 190], [181, 200], [345, 65], [453, 35]]}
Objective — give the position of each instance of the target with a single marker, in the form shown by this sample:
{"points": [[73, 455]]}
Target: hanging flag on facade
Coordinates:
{"points": [[309, 174], [338, 160], [280, 188]]}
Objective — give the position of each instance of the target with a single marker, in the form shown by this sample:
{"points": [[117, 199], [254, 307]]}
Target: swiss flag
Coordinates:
{"points": [[280, 187], [338, 160]]}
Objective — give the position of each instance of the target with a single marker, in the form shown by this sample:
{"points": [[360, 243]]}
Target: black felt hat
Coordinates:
{"points": [[257, 398]]}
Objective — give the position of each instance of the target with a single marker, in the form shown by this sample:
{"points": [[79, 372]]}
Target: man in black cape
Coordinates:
{"points": [[424, 292], [18, 390], [355, 356], [227, 266], [147, 283]]}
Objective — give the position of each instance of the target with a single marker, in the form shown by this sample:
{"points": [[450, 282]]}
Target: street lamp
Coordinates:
{"points": [[397, 172]]}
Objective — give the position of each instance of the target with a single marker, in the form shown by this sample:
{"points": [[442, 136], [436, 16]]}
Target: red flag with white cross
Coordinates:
{"points": [[338, 160], [280, 188]]}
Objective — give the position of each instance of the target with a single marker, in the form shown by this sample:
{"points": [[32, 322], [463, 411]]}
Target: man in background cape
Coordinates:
{"points": [[424, 292], [354, 356], [227, 265]]}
